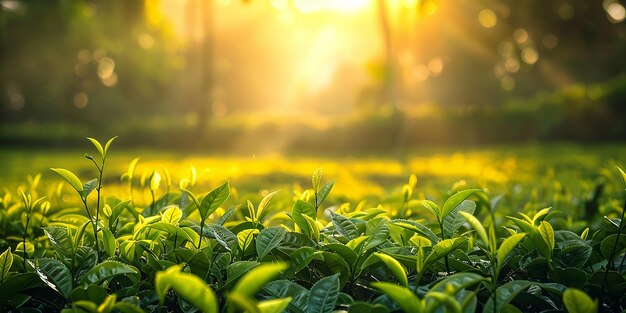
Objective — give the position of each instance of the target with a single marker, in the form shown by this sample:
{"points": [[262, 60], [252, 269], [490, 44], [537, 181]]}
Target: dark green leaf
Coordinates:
{"points": [[505, 294], [107, 270], [344, 226], [269, 239], [224, 237], [6, 260], [609, 242], [238, 269], [323, 295], [61, 241], [454, 220], [54, 274]]}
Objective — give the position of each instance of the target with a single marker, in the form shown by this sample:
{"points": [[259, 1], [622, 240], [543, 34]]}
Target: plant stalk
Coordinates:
{"points": [[95, 227], [25, 255], [619, 233]]}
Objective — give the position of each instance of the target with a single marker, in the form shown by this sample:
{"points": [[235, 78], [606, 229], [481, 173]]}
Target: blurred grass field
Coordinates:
{"points": [[560, 175]]}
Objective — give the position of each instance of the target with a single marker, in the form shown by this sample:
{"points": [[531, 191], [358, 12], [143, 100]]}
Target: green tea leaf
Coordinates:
{"points": [[192, 196], [300, 258], [108, 240], [109, 269], [547, 233], [505, 294], [507, 246], [274, 305], [6, 260], [268, 239], [287, 288], [622, 175], [243, 303], [323, 295], [453, 221], [107, 146], [314, 231], [576, 301], [188, 286], [378, 232], [444, 248], [238, 269], [455, 200], [224, 237], [173, 215], [299, 210], [98, 146], [245, 238], [71, 179], [213, 200], [540, 215], [606, 247], [155, 181], [256, 278], [89, 186], [316, 179], [54, 274], [432, 207], [534, 235], [409, 302], [262, 209], [449, 303], [395, 267], [415, 227], [344, 226], [323, 193], [478, 227], [61, 241]]}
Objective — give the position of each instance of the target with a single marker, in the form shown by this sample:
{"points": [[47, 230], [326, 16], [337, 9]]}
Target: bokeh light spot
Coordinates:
{"points": [[279, 4], [435, 66], [146, 41], [106, 68], [530, 55], [80, 100], [507, 83], [616, 12], [511, 65], [566, 11], [520, 35], [550, 41], [487, 18]]}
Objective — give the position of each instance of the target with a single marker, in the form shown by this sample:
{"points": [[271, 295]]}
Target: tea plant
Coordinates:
{"points": [[188, 251]]}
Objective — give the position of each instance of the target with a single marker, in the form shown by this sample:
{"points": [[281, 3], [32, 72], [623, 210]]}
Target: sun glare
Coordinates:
{"points": [[310, 6]]}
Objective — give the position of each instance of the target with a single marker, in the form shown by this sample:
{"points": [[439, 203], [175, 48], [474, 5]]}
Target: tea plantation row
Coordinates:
{"points": [[184, 251]]}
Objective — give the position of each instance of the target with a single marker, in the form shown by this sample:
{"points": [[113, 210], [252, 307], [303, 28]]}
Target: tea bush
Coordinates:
{"points": [[187, 251]]}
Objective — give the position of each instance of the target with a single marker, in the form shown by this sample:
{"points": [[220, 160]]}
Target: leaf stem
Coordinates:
{"points": [[619, 233], [443, 237], [94, 225], [100, 169], [24, 236]]}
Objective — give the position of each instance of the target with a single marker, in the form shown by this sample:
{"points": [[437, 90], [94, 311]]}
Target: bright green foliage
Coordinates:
{"points": [[6, 260], [170, 249], [188, 286], [576, 301]]}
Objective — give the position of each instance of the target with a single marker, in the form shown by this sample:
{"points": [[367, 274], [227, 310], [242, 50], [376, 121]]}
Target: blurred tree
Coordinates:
{"points": [[79, 60]]}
